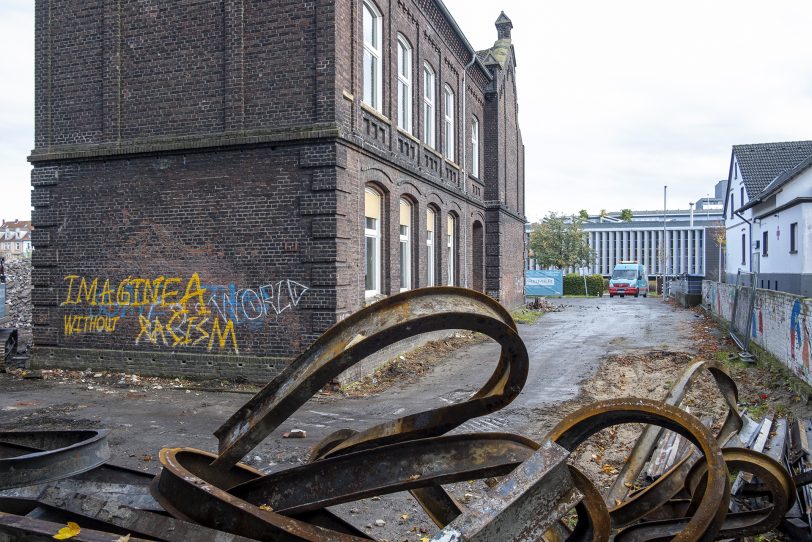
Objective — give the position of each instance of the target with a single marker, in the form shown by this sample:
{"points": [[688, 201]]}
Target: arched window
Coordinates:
{"points": [[431, 227], [373, 80], [405, 245], [451, 248], [448, 112], [404, 85], [429, 115], [372, 242], [475, 147]]}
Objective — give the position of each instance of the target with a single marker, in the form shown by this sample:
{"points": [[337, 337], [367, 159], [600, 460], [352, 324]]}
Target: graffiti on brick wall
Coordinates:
{"points": [[799, 335], [175, 312]]}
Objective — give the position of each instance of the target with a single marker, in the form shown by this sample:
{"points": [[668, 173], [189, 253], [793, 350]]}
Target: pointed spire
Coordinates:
{"points": [[503, 26]]}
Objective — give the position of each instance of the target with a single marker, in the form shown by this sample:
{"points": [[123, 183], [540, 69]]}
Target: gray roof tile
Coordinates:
{"points": [[760, 163]]}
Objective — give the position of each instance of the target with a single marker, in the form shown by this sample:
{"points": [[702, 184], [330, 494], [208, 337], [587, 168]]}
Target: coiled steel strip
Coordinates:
{"points": [[361, 335]]}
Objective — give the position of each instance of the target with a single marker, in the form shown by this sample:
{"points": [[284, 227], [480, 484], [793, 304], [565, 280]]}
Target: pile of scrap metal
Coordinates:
{"points": [[200, 495]]}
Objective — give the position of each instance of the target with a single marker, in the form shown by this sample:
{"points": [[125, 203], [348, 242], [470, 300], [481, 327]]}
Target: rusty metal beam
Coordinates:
{"points": [[387, 469], [36, 457]]}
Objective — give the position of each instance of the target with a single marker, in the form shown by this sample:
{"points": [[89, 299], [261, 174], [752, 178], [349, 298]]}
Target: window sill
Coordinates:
{"points": [[374, 112], [404, 133], [453, 164]]}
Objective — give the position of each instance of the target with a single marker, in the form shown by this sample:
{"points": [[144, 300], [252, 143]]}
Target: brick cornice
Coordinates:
{"points": [[72, 152]]}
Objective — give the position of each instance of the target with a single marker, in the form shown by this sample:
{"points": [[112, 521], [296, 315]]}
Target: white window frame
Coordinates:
{"points": [[429, 110], [373, 49], [448, 116], [405, 98], [431, 219], [375, 234], [451, 253], [475, 147], [405, 232]]}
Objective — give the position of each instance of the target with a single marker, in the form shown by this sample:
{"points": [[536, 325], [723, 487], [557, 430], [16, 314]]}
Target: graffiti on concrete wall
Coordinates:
{"points": [[799, 335], [175, 312], [781, 324]]}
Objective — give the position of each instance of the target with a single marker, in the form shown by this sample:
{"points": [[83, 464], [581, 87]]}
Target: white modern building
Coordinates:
{"points": [[672, 242], [768, 215], [675, 250]]}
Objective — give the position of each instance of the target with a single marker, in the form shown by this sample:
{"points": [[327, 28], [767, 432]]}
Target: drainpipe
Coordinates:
{"points": [[465, 168]]}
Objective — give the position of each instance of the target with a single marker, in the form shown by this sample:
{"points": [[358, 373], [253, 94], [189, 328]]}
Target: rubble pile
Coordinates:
{"points": [[18, 297], [541, 304]]}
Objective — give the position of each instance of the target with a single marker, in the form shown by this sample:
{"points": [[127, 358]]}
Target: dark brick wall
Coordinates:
{"points": [[251, 224], [226, 141], [134, 71]]}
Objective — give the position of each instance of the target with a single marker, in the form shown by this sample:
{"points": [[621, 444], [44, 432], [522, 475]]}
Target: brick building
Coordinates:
{"points": [[216, 183]]}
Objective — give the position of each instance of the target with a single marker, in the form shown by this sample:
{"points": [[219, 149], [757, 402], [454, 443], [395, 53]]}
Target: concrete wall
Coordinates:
{"points": [[782, 323]]}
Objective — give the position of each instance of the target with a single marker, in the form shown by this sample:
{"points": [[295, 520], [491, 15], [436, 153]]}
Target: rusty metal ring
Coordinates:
{"points": [[366, 332], [629, 511], [578, 426], [775, 480], [594, 523]]}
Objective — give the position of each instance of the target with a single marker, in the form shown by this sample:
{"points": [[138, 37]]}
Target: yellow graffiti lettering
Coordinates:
{"points": [[203, 333], [136, 283], [222, 336], [106, 296], [70, 279], [193, 289], [123, 296], [152, 290], [77, 324], [168, 296], [89, 291], [151, 330], [170, 327]]}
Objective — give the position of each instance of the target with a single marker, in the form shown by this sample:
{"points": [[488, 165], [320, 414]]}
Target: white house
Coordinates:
{"points": [[768, 215]]}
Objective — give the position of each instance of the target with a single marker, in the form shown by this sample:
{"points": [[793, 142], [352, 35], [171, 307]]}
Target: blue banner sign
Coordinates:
{"points": [[2, 300], [540, 283]]}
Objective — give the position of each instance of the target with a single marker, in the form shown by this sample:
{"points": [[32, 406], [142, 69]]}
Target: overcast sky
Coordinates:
{"points": [[616, 99]]}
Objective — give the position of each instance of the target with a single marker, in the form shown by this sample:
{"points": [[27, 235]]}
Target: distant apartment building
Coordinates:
{"points": [[768, 215], [15, 238]]}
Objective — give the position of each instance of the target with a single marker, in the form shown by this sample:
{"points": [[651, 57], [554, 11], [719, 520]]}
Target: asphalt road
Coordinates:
{"points": [[565, 348]]}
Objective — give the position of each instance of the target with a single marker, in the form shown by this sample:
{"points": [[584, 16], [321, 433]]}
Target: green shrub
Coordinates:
{"points": [[574, 284]]}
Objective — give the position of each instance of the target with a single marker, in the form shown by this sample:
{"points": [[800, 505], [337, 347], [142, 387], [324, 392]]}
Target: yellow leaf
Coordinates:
{"points": [[424, 539], [265, 507], [70, 531]]}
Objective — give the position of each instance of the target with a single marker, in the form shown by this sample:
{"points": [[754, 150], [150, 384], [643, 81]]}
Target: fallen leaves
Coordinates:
{"points": [[69, 531], [609, 469]]}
